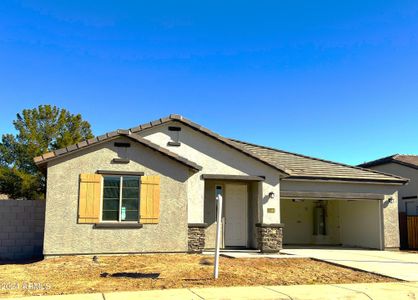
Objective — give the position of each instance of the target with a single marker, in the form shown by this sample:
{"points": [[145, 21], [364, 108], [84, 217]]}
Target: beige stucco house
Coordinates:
{"points": [[405, 166], [152, 188]]}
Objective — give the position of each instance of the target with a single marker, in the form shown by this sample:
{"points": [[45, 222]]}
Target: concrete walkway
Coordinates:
{"points": [[251, 254], [395, 264], [367, 291]]}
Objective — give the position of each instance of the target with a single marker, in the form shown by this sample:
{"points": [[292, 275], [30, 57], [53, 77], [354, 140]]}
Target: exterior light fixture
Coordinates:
{"points": [[391, 200], [271, 195]]}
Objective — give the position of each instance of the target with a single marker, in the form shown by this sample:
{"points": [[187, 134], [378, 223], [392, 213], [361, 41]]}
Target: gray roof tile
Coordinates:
{"points": [[156, 122], [92, 141], [60, 152], [72, 148], [292, 164], [123, 131], [102, 137], [302, 166], [409, 160], [112, 133], [136, 129], [82, 144], [48, 155], [145, 126]]}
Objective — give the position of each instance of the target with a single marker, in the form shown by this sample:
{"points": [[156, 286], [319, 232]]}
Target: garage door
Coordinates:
{"points": [[348, 223]]}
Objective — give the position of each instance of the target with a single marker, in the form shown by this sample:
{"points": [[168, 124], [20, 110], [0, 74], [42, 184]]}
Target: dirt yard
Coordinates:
{"points": [[67, 275]]}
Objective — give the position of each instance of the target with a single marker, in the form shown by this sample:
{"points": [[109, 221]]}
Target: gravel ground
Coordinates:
{"points": [[67, 275]]}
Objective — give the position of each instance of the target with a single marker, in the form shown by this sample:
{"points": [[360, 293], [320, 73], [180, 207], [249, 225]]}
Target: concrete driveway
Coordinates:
{"points": [[395, 264]]}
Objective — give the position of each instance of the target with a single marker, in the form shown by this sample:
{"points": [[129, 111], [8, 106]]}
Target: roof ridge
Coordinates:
{"points": [[172, 117], [385, 158], [318, 159], [220, 138], [403, 159]]}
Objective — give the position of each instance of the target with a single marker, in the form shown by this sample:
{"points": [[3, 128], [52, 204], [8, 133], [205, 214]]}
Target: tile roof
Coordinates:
{"points": [[41, 160], [131, 133], [208, 132], [305, 167], [403, 159], [294, 165]]}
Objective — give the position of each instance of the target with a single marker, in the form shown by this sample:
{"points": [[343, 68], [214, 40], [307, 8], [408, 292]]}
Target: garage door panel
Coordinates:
{"points": [[360, 224]]}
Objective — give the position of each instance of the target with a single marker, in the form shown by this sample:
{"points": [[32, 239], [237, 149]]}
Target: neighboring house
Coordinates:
{"points": [[405, 166], [152, 188], [4, 197]]}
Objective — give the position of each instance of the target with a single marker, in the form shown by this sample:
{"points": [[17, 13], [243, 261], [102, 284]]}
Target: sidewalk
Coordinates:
{"points": [[384, 291]]}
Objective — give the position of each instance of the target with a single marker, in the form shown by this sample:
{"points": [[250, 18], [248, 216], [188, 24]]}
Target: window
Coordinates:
{"points": [[120, 198]]}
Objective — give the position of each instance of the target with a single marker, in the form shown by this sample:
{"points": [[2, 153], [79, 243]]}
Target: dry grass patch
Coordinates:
{"points": [[68, 275]]}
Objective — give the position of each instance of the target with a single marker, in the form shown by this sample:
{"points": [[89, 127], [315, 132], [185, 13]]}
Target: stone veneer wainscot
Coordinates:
{"points": [[196, 237], [269, 237]]}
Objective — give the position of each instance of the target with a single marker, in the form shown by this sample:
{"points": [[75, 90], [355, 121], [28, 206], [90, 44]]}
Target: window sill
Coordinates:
{"points": [[117, 225]]}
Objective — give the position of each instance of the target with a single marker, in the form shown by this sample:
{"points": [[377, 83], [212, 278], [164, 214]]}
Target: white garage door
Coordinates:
{"points": [[347, 223], [360, 224]]}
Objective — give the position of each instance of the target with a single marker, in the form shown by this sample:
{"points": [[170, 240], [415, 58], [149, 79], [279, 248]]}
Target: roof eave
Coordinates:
{"points": [[42, 161], [349, 179], [406, 164], [395, 177]]}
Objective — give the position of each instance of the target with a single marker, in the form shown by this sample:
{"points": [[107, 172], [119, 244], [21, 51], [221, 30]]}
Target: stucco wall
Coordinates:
{"points": [[391, 221], [217, 158], [64, 236], [389, 211], [408, 190]]}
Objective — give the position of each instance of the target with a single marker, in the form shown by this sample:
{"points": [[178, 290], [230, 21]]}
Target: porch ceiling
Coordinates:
{"points": [[331, 195]]}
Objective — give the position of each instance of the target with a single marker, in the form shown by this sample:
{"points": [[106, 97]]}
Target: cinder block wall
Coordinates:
{"points": [[21, 229]]}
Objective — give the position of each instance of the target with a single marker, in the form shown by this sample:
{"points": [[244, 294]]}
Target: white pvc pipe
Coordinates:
{"points": [[218, 236]]}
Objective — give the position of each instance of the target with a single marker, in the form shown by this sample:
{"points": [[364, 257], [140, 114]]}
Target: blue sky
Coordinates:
{"points": [[331, 79]]}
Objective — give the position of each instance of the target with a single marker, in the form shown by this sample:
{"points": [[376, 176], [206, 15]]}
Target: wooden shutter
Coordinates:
{"points": [[149, 201], [89, 198]]}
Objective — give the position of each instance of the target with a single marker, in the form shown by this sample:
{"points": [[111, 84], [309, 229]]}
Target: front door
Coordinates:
{"points": [[236, 218]]}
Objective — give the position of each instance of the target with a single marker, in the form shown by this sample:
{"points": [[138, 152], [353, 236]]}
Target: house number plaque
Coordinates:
{"points": [[271, 210]]}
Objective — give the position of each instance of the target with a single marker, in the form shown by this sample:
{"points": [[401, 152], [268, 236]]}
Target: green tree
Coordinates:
{"points": [[39, 130]]}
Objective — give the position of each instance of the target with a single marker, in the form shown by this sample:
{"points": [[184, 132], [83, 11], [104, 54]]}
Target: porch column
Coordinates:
{"points": [[269, 230], [196, 237], [269, 237]]}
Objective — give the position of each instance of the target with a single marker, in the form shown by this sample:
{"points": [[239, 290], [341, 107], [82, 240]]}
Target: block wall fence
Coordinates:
{"points": [[21, 229]]}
